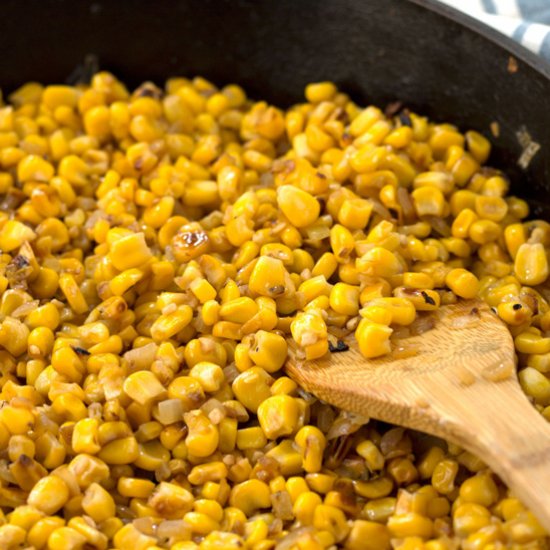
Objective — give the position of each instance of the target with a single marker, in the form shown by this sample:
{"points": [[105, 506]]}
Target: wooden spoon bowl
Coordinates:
{"points": [[456, 381]]}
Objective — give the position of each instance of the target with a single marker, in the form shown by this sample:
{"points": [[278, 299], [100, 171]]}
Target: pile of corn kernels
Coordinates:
{"points": [[158, 248]]}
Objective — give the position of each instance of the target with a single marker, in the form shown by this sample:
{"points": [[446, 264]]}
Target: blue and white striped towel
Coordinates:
{"points": [[527, 21]]}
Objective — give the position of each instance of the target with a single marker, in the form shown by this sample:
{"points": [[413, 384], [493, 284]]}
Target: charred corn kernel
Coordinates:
{"points": [[462, 283], [278, 415], [373, 339], [98, 503]]}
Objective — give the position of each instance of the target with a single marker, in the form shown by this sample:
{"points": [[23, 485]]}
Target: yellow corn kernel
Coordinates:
{"points": [[373, 339], [203, 437], [130, 537], [129, 251], [85, 436], [268, 277], [238, 310], [491, 208], [49, 495], [478, 145], [320, 91], [530, 341], [536, 385], [135, 487], [462, 283], [125, 280], [169, 324], [480, 489], [250, 496], [13, 234], [309, 331], [428, 201], [379, 262], [251, 438], [443, 476], [331, 519], [298, 206], [531, 264], [342, 242], [73, 293], [120, 451], [368, 535], [98, 503], [278, 415], [268, 350], [344, 299], [209, 375], [34, 168], [469, 518], [143, 386], [311, 442], [203, 290], [410, 524]]}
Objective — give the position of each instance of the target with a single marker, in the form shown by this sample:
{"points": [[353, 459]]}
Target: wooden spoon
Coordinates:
{"points": [[459, 382]]}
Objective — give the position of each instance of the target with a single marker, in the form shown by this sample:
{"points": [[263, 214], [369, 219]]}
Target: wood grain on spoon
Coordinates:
{"points": [[459, 383]]}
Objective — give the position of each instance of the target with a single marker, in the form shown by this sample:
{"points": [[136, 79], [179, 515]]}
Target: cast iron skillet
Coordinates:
{"points": [[429, 56]]}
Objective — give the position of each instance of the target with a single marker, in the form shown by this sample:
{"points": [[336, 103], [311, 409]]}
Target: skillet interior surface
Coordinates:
{"points": [[429, 57]]}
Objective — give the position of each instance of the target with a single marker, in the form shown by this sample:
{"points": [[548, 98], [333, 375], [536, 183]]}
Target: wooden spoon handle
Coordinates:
{"points": [[496, 421]]}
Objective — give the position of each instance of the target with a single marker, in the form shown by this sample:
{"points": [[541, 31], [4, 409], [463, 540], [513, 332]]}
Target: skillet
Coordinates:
{"points": [[432, 58]]}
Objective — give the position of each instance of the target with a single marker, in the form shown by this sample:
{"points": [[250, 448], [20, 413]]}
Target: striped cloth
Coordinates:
{"points": [[527, 21]]}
